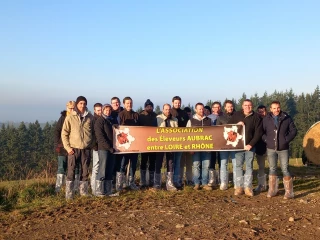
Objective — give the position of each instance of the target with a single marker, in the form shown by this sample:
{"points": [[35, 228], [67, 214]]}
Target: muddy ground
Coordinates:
{"points": [[186, 214]]}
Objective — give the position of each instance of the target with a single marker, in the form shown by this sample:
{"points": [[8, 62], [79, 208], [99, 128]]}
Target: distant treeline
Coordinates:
{"points": [[27, 150]]}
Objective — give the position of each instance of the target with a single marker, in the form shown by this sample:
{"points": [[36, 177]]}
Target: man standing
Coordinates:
{"points": [[213, 173], [128, 117], [165, 120], [147, 118], [261, 155], [278, 131], [97, 108], [201, 160], [224, 155], [183, 118], [77, 138], [253, 132]]}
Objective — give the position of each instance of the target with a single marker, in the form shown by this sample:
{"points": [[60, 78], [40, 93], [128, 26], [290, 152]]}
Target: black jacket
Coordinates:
{"points": [[104, 134], [148, 119], [278, 138], [181, 115], [57, 130], [253, 126], [224, 118]]}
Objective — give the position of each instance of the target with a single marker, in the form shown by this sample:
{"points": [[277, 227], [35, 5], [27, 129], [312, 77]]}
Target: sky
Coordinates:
{"points": [[54, 51]]}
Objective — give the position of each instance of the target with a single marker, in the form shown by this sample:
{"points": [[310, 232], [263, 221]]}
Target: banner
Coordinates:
{"points": [[134, 139]]}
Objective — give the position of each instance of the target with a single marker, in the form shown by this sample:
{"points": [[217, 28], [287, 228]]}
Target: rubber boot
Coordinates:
{"points": [[76, 183], [262, 184], [212, 178], [288, 186], [273, 186], [151, 178], [248, 185], [108, 189], [99, 191], [169, 182], [83, 188], [119, 181], [157, 181], [59, 182], [224, 180], [143, 179], [132, 184], [69, 190]]}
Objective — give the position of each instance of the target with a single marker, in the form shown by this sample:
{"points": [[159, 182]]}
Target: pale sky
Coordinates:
{"points": [[54, 51]]}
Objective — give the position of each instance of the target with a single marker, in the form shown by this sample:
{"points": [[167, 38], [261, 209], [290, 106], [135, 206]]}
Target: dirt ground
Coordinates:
{"points": [[186, 214]]}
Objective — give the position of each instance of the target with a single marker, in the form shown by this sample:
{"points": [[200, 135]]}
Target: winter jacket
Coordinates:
{"points": [[148, 119], [261, 147], [78, 132], [57, 135], [95, 144], [129, 118], [253, 126], [278, 138], [115, 114], [195, 121], [161, 121], [224, 118], [181, 115], [104, 134]]}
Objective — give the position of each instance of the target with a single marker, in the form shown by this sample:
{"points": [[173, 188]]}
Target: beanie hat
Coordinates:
{"points": [[148, 102], [106, 105], [81, 98], [71, 104]]}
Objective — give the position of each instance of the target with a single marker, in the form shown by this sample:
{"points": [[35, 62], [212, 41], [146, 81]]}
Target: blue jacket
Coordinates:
{"points": [[278, 138]]}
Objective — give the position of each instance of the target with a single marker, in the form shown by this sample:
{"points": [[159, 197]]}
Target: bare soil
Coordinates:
{"points": [[186, 214]]}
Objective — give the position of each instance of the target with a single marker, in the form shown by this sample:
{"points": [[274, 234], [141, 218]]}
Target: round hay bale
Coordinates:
{"points": [[311, 143]]}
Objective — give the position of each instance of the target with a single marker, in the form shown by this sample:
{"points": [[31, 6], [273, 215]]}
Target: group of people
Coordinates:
{"points": [[80, 135]]}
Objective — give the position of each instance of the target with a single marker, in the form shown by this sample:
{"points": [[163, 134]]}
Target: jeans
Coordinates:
{"points": [[176, 166], [244, 157], [225, 155], [62, 165], [80, 156], [283, 156], [95, 168], [200, 167], [152, 161], [261, 160], [159, 160], [106, 165], [133, 157]]}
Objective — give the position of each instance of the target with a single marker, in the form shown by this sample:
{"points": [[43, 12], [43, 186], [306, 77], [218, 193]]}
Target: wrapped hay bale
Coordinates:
{"points": [[311, 143]]}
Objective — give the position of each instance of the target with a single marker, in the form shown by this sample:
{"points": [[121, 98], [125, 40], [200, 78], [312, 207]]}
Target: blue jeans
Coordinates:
{"points": [[106, 165], [95, 168], [244, 157], [200, 160], [176, 166], [133, 157], [283, 156], [224, 156]]}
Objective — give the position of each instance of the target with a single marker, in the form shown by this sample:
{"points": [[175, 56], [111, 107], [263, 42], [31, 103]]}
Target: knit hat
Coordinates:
{"points": [[81, 98], [106, 105], [148, 102], [71, 104]]}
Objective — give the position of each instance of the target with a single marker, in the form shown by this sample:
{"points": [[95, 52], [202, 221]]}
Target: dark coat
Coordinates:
{"points": [[278, 138], [58, 146], [148, 119], [104, 134], [224, 118], [253, 126], [181, 115], [203, 122], [129, 118]]}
